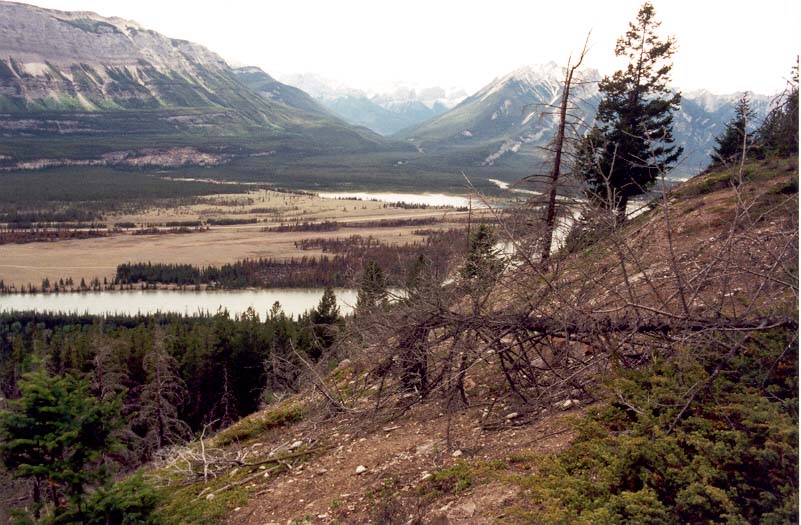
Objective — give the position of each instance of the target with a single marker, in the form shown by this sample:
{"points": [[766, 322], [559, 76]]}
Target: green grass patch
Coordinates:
{"points": [[460, 477], [186, 505], [257, 424]]}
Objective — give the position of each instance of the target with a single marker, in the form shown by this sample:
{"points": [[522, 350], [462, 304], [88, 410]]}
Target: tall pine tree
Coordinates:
{"points": [[482, 257], [632, 141], [162, 396], [735, 137], [323, 321]]}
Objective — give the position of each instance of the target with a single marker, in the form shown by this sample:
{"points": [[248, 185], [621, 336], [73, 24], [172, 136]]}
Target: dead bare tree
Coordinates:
{"points": [[550, 209], [161, 397]]}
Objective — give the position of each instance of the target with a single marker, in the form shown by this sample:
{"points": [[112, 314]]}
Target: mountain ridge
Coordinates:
{"points": [[514, 115], [60, 70]]}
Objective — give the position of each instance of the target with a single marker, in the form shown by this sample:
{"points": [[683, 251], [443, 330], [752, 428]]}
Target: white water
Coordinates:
{"points": [[506, 186], [294, 301]]}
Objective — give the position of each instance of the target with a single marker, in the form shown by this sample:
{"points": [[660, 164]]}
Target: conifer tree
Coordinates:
{"points": [[323, 320], [327, 311], [730, 143], [632, 140], [162, 396], [420, 281], [109, 374], [778, 134], [372, 293], [482, 257], [56, 434], [281, 369]]}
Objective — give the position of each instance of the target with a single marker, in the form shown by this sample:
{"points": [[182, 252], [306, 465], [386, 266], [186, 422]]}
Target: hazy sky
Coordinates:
{"points": [[724, 45]]}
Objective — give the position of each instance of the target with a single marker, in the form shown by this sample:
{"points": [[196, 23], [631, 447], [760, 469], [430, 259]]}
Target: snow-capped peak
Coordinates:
{"points": [[547, 75], [533, 74]]}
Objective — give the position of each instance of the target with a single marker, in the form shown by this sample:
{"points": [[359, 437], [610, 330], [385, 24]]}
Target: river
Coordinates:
{"points": [[294, 301]]}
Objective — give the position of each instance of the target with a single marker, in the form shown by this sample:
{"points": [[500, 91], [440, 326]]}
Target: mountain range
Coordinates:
{"points": [[511, 120], [66, 76], [78, 74], [387, 111], [515, 117]]}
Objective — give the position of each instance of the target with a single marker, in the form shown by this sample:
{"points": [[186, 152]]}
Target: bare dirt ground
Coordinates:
{"points": [[23, 264], [399, 457]]}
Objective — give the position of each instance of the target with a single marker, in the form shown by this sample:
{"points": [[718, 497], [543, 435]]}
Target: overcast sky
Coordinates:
{"points": [[723, 45]]}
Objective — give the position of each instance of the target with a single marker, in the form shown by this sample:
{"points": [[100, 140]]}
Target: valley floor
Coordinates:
{"points": [[98, 257]]}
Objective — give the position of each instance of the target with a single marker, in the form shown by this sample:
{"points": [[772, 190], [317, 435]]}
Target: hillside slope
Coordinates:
{"points": [[271, 89], [711, 269]]}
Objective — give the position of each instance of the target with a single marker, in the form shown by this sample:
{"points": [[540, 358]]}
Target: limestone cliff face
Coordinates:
{"points": [[78, 60], [104, 84]]}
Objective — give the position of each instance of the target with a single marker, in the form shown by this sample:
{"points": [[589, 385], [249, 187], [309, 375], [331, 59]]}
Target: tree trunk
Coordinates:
{"points": [[550, 210], [37, 498], [620, 209]]}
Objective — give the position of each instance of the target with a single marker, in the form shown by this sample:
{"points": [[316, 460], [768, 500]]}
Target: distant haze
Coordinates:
{"points": [[724, 45]]}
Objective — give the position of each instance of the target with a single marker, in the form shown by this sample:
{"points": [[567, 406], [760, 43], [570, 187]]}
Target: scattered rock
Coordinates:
{"points": [[425, 448], [297, 444], [457, 453], [512, 415], [438, 518], [462, 512], [569, 403], [361, 469]]}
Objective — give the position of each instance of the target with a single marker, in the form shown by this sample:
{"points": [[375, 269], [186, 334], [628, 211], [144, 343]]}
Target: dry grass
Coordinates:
{"points": [[23, 264], [269, 206]]}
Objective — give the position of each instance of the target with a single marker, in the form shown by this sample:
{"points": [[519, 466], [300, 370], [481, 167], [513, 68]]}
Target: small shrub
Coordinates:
{"points": [[732, 457], [129, 502], [454, 479]]}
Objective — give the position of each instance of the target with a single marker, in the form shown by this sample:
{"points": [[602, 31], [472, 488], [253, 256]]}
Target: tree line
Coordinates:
{"points": [[349, 255]]}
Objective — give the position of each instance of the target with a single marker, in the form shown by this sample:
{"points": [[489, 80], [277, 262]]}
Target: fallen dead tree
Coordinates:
{"points": [[683, 276]]}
